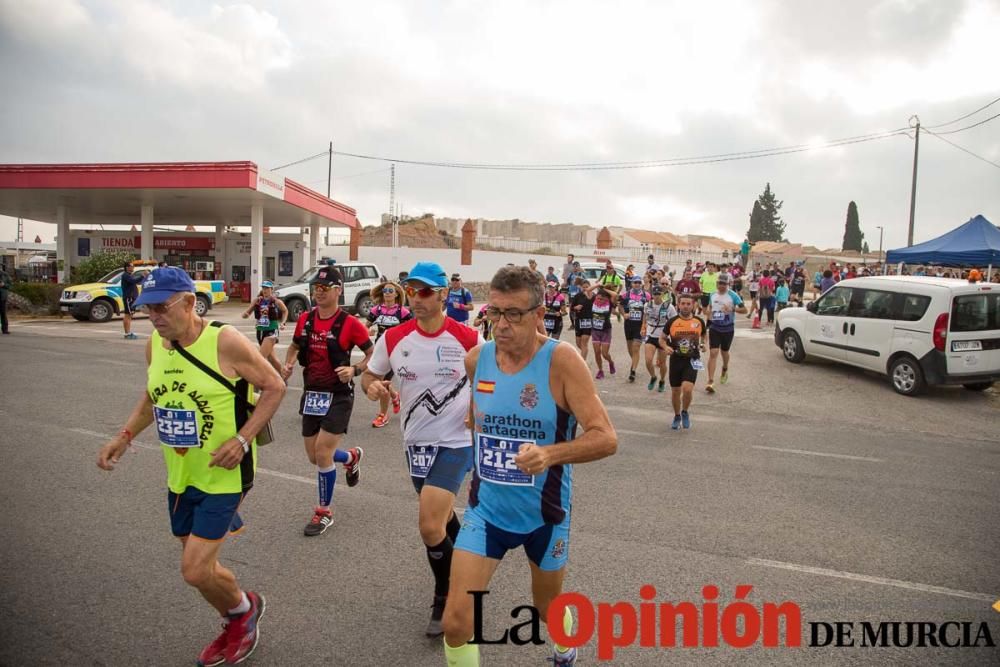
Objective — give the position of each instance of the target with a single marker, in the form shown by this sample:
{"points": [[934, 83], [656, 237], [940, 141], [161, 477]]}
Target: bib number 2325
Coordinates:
{"points": [[176, 428], [495, 460]]}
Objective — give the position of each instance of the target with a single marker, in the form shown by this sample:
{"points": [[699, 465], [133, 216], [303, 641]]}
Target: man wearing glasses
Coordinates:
{"points": [[528, 394], [427, 357], [207, 432], [322, 344]]}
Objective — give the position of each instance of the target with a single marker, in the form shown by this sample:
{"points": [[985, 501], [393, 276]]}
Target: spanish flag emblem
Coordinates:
{"points": [[486, 386]]}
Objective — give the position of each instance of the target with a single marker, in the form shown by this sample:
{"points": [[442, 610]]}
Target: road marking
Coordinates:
{"points": [[864, 578], [146, 445], [644, 434], [826, 454]]}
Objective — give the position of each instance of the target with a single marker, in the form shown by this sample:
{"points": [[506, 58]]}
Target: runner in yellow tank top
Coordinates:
{"points": [[208, 439]]}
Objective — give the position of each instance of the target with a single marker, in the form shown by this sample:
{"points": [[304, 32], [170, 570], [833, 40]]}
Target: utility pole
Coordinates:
{"points": [[20, 230], [913, 188], [880, 230], [329, 182], [393, 218]]}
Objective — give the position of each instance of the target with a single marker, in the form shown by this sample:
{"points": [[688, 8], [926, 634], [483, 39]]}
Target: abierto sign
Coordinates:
{"points": [[270, 183]]}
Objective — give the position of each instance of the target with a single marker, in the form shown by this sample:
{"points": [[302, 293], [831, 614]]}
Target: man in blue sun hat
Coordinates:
{"points": [[207, 431]]}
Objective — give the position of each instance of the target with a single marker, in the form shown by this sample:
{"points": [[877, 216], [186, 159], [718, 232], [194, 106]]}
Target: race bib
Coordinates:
{"points": [[697, 364], [550, 324], [176, 428], [718, 316], [264, 321], [635, 315], [495, 460], [421, 459], [317, 403], [583, 323], [598, 324]]}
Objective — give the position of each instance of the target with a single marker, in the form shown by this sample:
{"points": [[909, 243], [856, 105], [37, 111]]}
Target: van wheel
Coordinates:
{"points": [[791, 347], [364, 305], [907, 377], [201, 305], [295, 309], [978, 386], [101, 310]]}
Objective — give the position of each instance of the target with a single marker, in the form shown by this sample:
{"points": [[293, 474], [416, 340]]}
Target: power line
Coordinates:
{"points": [[305, 159], [971, 113], [963, 149], [969, 127]]}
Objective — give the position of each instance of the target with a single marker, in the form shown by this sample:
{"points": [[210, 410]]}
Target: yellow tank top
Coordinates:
{"points": [[194, 415]]}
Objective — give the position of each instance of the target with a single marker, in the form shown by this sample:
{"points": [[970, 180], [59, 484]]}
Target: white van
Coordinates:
{"points": [[355, 298], [917, 330]]}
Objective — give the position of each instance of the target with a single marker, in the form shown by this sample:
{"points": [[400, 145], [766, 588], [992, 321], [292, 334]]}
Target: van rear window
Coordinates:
{"points": [[911, 307], [975, 312]]}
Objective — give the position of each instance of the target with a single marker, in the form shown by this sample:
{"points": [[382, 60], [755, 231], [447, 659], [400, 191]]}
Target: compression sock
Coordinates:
{"points": [[567, 628], [340, 456], [454, 525], [327, 479], [242, 608], [439, 557], [466, 655]]}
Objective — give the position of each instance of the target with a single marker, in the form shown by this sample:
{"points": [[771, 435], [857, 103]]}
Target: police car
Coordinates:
{"points": [[102, 300]]}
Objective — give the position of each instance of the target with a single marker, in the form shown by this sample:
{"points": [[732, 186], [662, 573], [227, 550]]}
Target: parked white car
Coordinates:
{"points": [[355, 297], [916, 330]]}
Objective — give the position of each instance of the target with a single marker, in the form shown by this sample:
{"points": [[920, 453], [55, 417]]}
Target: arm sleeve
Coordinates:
{"points": [[379, 363]]}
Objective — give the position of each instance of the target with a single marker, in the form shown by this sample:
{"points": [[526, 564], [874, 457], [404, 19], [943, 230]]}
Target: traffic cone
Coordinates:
{"points": [[756, 322]]}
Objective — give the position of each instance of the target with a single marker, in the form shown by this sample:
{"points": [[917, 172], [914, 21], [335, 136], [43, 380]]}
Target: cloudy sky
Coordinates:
{"points": [[529, 82]]}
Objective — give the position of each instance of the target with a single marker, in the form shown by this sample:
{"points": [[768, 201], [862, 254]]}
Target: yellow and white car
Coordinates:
{"points": [[100, 301]]}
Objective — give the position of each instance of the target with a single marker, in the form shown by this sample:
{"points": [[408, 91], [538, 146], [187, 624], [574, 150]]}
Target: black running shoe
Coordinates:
{"points": [[631, 376], [434, 628], [353, 469], [320, 521]]}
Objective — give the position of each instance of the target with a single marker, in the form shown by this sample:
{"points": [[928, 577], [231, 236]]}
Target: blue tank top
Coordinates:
{"points": [[511, 410]]}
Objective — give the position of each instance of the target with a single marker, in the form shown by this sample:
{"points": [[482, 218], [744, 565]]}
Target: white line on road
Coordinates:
{"points": [[644, 434], [864, 578], [826, 454]]}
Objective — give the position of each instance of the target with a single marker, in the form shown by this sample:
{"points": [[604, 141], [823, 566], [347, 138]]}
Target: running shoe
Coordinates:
{"points": [[434, 628], [724, 378], [685, 419], [380, 420], [215, 653], [710, 388], [676, 423], [395, 404], [662, 387], [652, 383], [353, 469], [600, 375], [244, 630], [631, 376], [567, 659], [321, 519], [611, 366]]}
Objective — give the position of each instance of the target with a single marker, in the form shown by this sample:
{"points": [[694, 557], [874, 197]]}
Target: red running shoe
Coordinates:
{"points": [[244, 631], [215, 653], [395, 404]]}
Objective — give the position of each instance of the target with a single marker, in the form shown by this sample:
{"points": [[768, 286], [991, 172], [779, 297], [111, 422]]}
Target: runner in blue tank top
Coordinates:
{"points": [[528, 395]]}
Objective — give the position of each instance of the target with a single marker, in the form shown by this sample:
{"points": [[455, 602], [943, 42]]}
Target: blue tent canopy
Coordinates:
{"points": [[976, 243]]}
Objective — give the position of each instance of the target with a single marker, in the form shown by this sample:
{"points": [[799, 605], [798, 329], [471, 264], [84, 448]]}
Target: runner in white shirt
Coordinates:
{"points": [[427, 358], [658, 312]]}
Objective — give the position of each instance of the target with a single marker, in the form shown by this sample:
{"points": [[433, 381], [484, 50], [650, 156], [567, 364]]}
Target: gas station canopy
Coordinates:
{"points": [[215, 194]]}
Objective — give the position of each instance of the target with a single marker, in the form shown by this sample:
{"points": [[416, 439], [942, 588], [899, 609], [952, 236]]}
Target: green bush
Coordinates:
{"points": [[40, 294], [102, 263]]}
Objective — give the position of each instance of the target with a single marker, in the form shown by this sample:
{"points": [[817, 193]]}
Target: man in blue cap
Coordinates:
{"points": [[322, 344], [427, 356], [207, 427]]}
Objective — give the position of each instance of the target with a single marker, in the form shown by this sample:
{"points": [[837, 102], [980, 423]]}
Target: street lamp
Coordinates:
{"points": [[880, 230]]}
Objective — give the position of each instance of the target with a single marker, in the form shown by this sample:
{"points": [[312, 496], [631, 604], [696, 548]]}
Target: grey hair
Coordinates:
{"points": [[516, 278]]}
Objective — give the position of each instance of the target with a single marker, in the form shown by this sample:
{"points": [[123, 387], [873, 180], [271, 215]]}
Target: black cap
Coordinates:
{"points": [[328, 276]]}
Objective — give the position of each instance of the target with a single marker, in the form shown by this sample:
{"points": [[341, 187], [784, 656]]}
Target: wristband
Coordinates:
{"points": [[128, 435], [243, 441]]}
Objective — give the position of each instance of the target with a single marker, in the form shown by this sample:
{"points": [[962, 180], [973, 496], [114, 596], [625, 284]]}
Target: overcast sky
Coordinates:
{"points": [[528, 81]]}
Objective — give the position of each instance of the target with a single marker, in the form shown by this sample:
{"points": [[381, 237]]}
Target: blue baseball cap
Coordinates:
{"points": [[266, 283], [428, 273], [161, 284]]}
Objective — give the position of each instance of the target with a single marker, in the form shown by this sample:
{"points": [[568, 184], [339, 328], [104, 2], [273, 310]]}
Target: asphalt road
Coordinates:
{"points": [[814, 483]]}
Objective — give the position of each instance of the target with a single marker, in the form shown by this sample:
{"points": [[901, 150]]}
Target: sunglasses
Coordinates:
{"points": [[422, 292], [389, 290], [160, 308], [324, 288]]}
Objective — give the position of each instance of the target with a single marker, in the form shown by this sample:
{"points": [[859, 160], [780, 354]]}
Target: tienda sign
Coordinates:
{"points": [[159, 243]]}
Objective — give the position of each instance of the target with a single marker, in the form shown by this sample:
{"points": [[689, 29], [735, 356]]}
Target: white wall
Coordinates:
{"points": [[484, 263]]}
